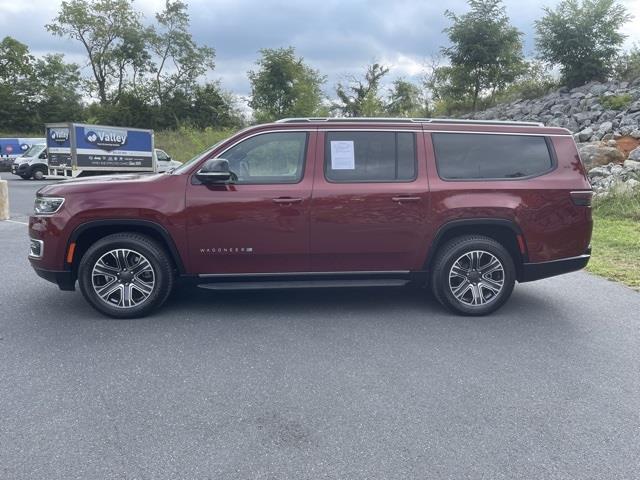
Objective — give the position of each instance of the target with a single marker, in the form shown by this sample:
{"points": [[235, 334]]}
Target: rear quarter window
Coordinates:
{"points": [[475, 156]]}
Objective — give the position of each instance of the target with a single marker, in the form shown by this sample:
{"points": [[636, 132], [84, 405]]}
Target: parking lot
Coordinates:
{"points": [[344, 384]]}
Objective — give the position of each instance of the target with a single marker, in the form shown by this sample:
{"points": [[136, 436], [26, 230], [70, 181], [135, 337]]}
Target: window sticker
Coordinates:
{"points": [[342, 155]]}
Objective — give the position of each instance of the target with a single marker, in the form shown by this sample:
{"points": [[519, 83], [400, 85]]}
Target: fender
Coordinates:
{"points": [[156, 227], [472, 222]]}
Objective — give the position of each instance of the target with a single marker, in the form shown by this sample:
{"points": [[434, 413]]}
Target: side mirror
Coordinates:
{"points": [[43, 155], [214, 170]]}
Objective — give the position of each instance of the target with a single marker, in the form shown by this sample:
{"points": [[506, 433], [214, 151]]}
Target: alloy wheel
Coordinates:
{"points": [[476, 278], [123, 278]]}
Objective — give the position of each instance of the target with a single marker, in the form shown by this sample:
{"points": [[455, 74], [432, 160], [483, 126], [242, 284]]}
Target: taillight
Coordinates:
{"points": [[582, 198]]}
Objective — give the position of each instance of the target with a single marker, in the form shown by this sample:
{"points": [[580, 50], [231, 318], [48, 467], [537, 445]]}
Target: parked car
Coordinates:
{"points": [[164, 162], [467, 207], [32, 164]]}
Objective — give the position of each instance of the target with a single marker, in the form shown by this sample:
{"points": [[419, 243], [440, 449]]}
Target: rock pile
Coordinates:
{"points": [[623, 178]]}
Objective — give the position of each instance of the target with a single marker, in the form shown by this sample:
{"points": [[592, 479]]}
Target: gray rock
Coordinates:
{"points": [[635, 133], [634, 107], [605, 127], [635, 154], [585, 134], [593, 154], [598, 172], [632, 165], [598, 89]]}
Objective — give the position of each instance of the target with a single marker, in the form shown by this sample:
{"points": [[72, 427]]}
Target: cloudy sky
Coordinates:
{"points": [[338, 37]]}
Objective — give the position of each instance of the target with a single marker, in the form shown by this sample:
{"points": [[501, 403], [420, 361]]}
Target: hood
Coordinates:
{"points": [[99, 182]]}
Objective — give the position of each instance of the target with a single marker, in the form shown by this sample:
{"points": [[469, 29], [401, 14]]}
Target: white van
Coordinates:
{"points": [[32, 163]]}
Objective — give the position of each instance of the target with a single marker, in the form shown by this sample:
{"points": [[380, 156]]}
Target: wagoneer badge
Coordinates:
{"points": [[224, 250]]}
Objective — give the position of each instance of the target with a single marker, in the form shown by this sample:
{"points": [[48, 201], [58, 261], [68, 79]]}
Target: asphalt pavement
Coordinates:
{"points": [[335, 384]]}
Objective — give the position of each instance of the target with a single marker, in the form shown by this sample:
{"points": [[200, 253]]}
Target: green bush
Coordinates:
{"points": [[616, 102]]}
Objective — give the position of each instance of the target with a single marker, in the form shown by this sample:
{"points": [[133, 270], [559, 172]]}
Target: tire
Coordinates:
{"points": [[108, 280], [483, 277], [38, 174]]}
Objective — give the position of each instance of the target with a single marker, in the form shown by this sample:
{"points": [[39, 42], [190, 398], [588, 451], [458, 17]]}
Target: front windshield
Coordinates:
{"points": [[33, 151], [195, 159]]}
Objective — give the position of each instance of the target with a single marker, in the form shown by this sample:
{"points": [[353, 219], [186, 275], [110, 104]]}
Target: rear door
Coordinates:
{"points": [[369, 208]]}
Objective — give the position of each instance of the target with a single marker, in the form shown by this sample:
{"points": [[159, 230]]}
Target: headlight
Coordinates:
{"points": [[47, 205]]}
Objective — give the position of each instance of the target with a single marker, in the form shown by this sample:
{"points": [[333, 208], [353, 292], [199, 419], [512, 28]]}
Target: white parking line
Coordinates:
{"points": [[16, 221]]}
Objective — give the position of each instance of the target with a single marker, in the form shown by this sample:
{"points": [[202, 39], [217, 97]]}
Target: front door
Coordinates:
{"points": [[258, 223], [370, 201]]}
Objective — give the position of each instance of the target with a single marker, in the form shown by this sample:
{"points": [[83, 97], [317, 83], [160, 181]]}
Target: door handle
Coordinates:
{"points": [[287, 200], [405, 199]]}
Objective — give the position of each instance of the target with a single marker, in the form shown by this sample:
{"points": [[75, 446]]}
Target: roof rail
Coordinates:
{"points": [[460, 121]]}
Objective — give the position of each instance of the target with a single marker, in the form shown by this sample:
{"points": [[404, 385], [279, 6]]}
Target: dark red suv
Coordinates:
{"points": [[467, 207]]}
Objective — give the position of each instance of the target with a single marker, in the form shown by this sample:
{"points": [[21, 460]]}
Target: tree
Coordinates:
{"points": [[34, 91], [57, 87], [627, 65], [113, 37], [485, 53], [214, 107], [284, 86], [16, 73], [180, 61], [361, 98], [583, 38], [406, 100]]}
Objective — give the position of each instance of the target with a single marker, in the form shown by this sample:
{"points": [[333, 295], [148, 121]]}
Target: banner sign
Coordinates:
{"points": [[112, 147]]}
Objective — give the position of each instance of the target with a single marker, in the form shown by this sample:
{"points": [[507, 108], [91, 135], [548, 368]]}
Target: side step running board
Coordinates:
{"points": [[276, 284]]}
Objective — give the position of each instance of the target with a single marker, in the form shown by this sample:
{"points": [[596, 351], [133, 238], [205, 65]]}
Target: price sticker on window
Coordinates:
{"points": [[342, 155]]}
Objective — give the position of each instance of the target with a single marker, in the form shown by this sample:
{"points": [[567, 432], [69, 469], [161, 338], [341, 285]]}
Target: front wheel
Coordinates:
{"points": [[473, 275], [125, 275]]}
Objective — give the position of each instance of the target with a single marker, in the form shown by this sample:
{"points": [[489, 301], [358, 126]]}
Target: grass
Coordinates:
{"points": [[186, 143], [616, 239]]}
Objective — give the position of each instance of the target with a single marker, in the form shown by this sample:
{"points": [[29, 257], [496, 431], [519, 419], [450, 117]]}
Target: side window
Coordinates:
{"points": [[471, 156], [268, 158], [352, 157], [162, 156]]}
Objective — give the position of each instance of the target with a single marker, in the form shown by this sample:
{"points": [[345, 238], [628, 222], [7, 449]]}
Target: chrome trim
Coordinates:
{"points": [[41, 242], [284, 274], [526, 134], [459, 121]]}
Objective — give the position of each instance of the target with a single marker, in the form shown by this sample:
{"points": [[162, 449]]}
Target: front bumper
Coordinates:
{"points": [[64, 279], [24, 169], [537, 271]]}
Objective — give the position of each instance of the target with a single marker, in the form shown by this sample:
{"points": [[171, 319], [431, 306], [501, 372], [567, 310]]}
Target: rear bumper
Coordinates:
{"points": [[537, 271], [64, 279]]}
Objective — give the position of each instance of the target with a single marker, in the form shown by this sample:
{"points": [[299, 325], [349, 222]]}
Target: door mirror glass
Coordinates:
{"points": [[214, 170]]}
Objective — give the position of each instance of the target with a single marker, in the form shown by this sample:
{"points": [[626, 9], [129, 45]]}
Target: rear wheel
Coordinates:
{"points": [[125, 275], [473, 275], [38, 174]]}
